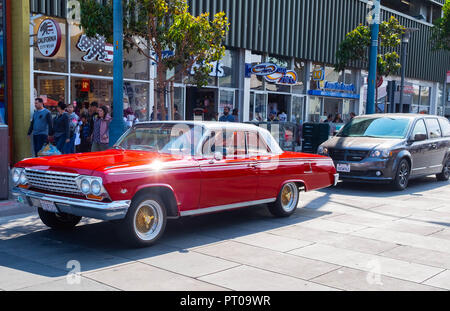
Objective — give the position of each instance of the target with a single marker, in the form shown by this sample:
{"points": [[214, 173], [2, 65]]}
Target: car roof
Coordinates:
{"points": [[398, 115], [209, 124]]}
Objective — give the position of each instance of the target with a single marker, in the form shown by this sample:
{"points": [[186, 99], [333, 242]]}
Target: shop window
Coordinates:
{"points": [[135, 100], [90, 56], [136, 64], [258, 106], [52, 89], [314, 109], [226, 100], [299, 68], [85, 91], [57, 62], [227, 70], [178, 98], [298, 104]]}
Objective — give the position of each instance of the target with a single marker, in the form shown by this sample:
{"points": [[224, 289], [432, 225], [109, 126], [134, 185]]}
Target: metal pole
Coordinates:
{"points": [[117, 126], [405, 41], [375, 27]]}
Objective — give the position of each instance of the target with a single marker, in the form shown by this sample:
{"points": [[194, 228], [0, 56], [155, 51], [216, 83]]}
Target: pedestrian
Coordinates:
{"points": [[85, 133], [93, 107], [352, 115], [61, 128], [41, 126], [73, 124], [282, 117], [100, 134], [226, 116], [236, 114], [338, 119], [329, 119], [176, 114]]}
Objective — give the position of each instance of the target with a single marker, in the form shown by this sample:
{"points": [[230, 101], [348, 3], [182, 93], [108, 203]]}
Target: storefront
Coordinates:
{"points": [[277, 88], [70, 67]]}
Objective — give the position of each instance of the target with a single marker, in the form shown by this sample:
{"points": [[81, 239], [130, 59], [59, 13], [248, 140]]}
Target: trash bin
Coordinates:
{"points": [[314, 134], [4, 162]]}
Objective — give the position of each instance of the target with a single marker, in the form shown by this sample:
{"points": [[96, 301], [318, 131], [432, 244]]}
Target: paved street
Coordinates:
{"points": [[351, 237]]}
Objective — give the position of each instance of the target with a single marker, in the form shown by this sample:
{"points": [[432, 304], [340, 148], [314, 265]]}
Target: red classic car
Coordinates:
{"points": [[162, 170]]}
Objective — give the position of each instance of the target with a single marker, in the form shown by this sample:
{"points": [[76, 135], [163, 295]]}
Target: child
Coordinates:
{"points": [[85, 133]]}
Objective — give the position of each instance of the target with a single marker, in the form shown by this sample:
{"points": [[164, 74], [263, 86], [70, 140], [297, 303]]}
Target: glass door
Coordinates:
{"points": [[297, 109]]}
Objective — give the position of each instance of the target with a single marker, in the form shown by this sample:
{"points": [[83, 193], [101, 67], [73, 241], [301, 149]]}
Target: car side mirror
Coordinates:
{"points": [[420, 137]]}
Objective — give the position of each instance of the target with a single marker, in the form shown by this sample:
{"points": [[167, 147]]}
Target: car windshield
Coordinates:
{"points": [[383, 127], [168, 138]]}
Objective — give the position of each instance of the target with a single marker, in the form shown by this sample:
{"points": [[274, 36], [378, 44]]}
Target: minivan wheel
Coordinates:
{"points": [[445, 174], [401, 179]]}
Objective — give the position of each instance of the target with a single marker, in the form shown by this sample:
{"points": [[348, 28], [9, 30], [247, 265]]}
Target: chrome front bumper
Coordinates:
{"points": [[336, 179], [79, 207]]}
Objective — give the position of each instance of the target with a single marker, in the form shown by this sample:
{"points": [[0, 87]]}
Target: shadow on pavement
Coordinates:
{"points": [[96, 246]]}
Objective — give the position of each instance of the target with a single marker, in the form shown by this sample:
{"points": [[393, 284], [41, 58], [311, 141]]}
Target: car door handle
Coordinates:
{"points": [[253, 165], [433, 146]]}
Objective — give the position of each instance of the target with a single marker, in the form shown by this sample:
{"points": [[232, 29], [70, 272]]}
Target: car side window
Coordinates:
{"points": [[419, 128], [235, 144], [214, 143], [434, 130], [256, 144], [445, 127]]}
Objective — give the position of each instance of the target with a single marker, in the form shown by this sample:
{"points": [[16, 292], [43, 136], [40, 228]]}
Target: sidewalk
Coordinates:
{"points": [[11, 207]]}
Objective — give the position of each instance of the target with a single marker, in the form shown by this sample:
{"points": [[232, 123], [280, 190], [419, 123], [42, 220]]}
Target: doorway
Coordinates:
{"points": [[201, 103], [279, 105]]}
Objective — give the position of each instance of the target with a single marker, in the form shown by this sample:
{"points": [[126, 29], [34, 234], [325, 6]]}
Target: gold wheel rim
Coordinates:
{"points": [[286, 195], [145, 219]]}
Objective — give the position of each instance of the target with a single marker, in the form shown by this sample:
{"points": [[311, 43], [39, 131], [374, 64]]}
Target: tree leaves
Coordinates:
{"points": [[440, 36]]}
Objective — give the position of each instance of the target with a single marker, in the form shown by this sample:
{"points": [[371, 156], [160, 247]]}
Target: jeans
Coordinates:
{"points": [[38, 143], [70, 146], [60, 143]]}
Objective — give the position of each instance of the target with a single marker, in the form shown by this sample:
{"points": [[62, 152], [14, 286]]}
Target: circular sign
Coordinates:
{"points": [[49, 38]]}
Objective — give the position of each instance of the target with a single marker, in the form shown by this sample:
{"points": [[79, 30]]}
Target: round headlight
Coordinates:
{"points": [[23, 179], [96, 187], [16, 175], [85, 186]]}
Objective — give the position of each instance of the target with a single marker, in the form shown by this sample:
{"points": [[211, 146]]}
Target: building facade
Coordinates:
{"points": [[279, 61]]}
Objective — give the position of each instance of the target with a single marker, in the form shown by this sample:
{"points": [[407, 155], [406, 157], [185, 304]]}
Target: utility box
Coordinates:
{"points": [[4, 162], [314, 134]]}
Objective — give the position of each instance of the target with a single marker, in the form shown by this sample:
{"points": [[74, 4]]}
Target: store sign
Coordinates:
{"points": [[48, 38], [96, 49], [216, 71], [339, 86], [273, 74], [85, 85], [318, 74]]}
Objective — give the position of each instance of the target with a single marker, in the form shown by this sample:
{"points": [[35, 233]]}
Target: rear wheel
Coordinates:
{"points": [[58, 221], [401, 179], [445, 174], [286, 202], [145, 221]]}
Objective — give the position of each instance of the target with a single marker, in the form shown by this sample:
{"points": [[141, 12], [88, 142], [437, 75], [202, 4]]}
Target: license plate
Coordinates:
{"points": [[344, 168], [48, 206]]}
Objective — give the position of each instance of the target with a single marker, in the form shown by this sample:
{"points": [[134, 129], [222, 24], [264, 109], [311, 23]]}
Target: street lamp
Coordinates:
{"points": [[405, 41]]}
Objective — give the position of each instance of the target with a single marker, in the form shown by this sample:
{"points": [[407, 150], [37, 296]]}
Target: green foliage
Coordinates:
{"points": [[356, 45], [440, 37], [163, 25]]}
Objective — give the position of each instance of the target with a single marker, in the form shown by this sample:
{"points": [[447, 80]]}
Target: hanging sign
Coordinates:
{"points": [[96, 49], [273, 74], [85, 85], [48, 38]]}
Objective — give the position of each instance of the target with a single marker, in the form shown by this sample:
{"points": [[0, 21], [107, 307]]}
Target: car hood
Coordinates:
{"points": [[363, 143], [86, 163]]}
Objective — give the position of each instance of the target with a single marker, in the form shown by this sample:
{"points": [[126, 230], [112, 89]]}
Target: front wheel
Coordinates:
{"points": [[445, 174], [401, 178], [145, 221], [286, 202], [60, 221]]}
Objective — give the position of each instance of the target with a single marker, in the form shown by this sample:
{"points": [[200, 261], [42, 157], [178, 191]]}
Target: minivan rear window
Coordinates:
{"points": [[445, 126]]}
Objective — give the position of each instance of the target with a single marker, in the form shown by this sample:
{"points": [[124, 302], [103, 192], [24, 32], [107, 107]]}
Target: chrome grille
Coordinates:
{"points": [[53, 181]]}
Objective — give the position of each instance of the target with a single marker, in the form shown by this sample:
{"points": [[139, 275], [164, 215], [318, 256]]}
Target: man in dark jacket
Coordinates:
{"points": [[61, 127], [41, 125]]}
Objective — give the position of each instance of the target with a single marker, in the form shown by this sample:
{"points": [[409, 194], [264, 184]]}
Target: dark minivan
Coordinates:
{"points": [[391, 148]]}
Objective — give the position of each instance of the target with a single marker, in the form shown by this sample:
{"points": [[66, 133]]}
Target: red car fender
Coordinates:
{"points": [[158, 185]]}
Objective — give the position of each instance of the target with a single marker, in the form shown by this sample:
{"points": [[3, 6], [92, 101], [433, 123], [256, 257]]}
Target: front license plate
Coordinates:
{"points": [[48, 206], [343, 168]]}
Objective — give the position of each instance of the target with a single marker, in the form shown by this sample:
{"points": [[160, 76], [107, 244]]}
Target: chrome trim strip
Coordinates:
{"points": [[225, 207], [436, 166], [336, 179], [52, 172], [79, 207]]}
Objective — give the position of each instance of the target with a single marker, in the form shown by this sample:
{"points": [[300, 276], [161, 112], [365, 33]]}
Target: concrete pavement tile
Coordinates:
{"points": [[19, 272], [396, 211], [330, 225], [245, 278], [189, 263], [143, 277], [427, 242], [442, 234], [273, 242], [441, 280], [268, 259], [6, 234], [28, 224], [357, 280], [432, 216], [377, 264], [85, 284], [338, 240], [373, 221], [419, 255], [188, 241], [416, 228]]}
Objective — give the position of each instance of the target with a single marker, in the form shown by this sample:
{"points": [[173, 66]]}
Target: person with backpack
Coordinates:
{"points": [[41, 126]]}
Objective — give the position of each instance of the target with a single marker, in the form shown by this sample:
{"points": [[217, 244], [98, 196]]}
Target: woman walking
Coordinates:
{"points": [[61, 127], [100, 135]]}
